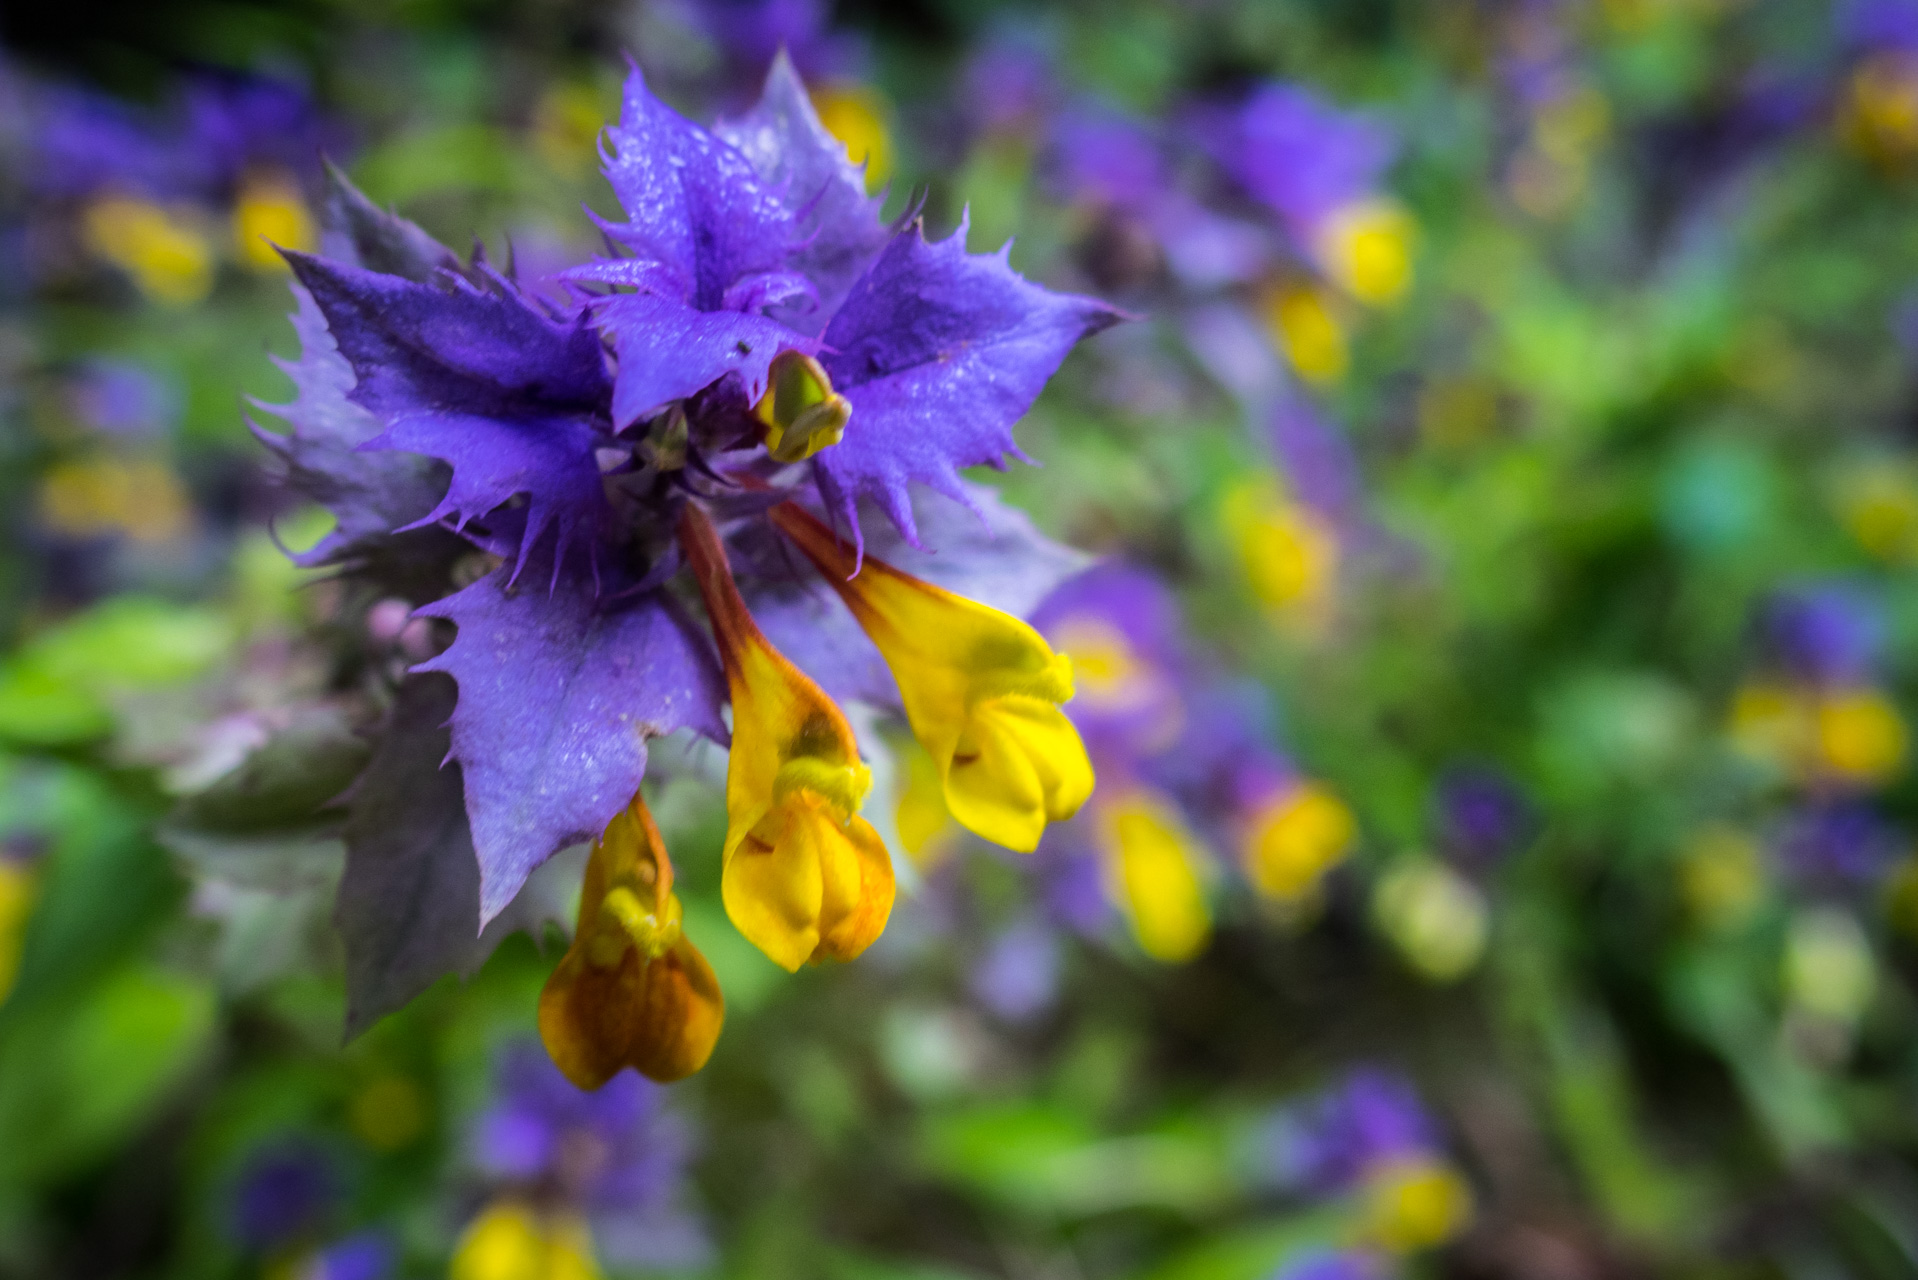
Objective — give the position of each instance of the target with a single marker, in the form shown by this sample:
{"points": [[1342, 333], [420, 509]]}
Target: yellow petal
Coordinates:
{"points": [[512, 1241], [632, 990], [1153, 862], [1296, 839], [981, 690]]}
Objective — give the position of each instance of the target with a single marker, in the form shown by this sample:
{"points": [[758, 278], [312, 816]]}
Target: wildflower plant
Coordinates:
{"points": [[732, 408]]}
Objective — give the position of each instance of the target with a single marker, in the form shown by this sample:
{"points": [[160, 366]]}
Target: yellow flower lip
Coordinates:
{"points": [[632, 990], [805, 878], [800, 411], [981, 690]]}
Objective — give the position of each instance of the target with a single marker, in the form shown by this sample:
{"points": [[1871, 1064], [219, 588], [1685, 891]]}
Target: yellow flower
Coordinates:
{"points": [[1861, 735], [270, 215], [981, 690], [1294, 839], [140, 498], [1305, 326], [801, 412], [1152, 865], [1366, 249], [1879, 115], [631, 991], [1416, 1203], [169, 260], [924, 823], [805, 878], [513, 1241], [16, 903], [856, 115], [1289, 554]]}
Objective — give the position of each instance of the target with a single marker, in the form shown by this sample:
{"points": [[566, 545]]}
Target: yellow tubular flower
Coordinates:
{"points": [[981, 689], [513, 1241], [805, 878], [1416, 1203], [1305, 325], [1152, 864], [631, 991]]}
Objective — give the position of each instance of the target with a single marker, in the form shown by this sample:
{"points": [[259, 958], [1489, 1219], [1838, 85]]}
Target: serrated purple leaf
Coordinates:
{"points": [[838, 228], [939, 352], [668, 350], [410, 898], [480, 380], [559, 692]]}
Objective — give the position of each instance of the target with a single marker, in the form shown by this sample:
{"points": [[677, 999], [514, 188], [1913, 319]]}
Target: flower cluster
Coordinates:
{"points": [[736, 399]]}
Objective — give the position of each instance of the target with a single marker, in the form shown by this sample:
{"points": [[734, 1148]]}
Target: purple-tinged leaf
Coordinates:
{"points": [[980, 549], [558, 694], [939, 352], [668, 350], [838, 228], [369, 494], [693, 203], [358, 232], [481, 381], [409, 903]]}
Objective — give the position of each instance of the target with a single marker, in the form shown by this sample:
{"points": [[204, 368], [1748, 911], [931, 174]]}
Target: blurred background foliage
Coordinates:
{"points": [[1552, 476]]}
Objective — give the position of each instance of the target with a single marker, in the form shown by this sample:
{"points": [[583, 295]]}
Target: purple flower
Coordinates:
{"points": [[1830, 633], [85, 142], [1332, 1264], [119, 398], [750, 34], [1480, 814], [1018, 977], [763, 342], [1333, 1142], [1833, 846], [369, 1255], [1296, 153], [1879, 25], [284, 1193], [617, 1155], [234, 123]]}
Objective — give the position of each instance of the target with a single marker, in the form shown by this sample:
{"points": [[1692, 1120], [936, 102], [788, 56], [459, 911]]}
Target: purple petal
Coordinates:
{"points": [[668, 350], [693, 203], [479, 380], [558, 695], [370, 495], [939, 352], [838, 228]]}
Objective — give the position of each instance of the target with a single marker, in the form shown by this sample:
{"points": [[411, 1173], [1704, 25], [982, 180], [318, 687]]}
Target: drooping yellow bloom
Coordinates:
{"points": [[1416, 1203], [925, 824], [1366, 249], [168, 259], [1153, 867], [981, 690], [1305, 325], [513, 1241], [17, 884], [805, 878], [801, 412], [1294, 839], [631, 991], [270, 215], [856, 115]]}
